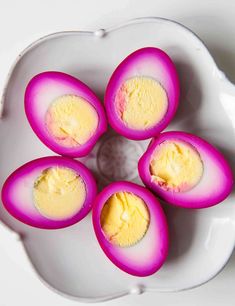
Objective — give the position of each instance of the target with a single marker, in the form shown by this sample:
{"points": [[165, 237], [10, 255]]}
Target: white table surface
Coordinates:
{"points": [[22, 22]]}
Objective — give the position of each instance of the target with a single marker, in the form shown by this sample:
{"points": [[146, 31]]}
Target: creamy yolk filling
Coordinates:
{"points": [[141, 102], [59, 193], [124, 219], [176, 166], [71, 120]]}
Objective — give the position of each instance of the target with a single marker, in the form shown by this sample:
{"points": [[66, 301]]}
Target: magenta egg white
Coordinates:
{"points": [[215, 184], [146, 256], [42, 90], [147, 62], [17, 192]]}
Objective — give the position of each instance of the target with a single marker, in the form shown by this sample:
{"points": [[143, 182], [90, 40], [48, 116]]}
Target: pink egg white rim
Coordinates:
{"points": [[156, 212], [45, 162], [44, 136], [113, 118], [171, 197]]}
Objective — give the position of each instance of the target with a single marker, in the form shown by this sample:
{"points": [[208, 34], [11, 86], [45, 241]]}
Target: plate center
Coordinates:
{"points": [[118, 157]]}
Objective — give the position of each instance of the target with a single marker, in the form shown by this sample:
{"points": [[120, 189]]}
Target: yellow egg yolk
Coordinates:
{"points": [[141, 102], [59, 193], [124, 219], [71, 120], [176, 166]]}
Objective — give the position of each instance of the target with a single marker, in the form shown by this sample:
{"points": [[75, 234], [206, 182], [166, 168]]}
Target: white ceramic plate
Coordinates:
{"points": [[70, 260]]}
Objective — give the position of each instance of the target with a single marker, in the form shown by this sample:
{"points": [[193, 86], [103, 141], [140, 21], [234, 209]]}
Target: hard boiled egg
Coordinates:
{"points": [[49, 192], [143, 93], [64, 113], [185, 170], [131, 228]]}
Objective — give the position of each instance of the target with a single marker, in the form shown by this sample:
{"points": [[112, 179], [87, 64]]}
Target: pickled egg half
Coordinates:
{"points": [[49, 192], [131, 228], [142, 94], [185, 170], [64, 113]]}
